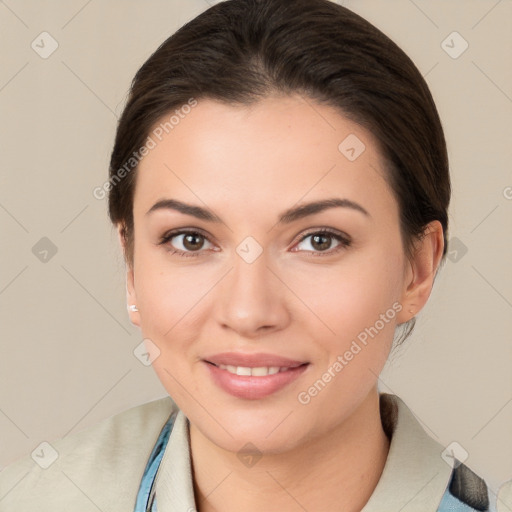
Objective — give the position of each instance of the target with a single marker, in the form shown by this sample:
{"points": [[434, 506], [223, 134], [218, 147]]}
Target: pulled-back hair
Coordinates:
{"points": [[240, 51]]}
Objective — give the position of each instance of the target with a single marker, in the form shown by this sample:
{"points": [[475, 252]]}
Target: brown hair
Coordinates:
{"points": [[240, 51]]}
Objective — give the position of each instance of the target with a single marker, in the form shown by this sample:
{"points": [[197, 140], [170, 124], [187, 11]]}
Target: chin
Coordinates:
{"points": [[270, 429]]}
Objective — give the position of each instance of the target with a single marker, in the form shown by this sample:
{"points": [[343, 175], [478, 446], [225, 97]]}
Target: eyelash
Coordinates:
{"points": [[344, 240]]}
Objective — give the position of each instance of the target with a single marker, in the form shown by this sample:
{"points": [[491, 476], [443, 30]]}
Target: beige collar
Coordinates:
{"points": [[415, 475], [413, 480]]}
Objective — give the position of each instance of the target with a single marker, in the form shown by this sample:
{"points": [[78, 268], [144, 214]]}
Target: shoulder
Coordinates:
{"points": [[467, 492], [454, 486], [505, 497], [97, 468]]}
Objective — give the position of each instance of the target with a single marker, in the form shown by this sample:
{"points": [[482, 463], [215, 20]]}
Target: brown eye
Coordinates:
{"points": [[323, 241], [185, 243], [192, 241]]}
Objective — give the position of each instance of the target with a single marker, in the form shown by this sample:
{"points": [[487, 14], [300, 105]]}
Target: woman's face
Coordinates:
{"points": [[267, 330]]}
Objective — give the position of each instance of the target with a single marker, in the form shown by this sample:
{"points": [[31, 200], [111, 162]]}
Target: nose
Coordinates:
{"points": [[252, 299]]}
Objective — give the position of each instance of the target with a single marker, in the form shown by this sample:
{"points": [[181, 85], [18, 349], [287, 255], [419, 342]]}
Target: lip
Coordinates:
{"points": [[251, 387], [252, 360]]}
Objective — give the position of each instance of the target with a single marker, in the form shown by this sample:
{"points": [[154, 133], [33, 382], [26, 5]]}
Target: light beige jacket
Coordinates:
{"points": [[100, 468]]}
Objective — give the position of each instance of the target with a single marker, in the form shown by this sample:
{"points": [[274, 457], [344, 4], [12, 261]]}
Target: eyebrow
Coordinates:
{"points": [[288, 216]]}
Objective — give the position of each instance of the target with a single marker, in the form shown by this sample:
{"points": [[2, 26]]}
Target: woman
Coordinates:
{"points": [[279, 182]]}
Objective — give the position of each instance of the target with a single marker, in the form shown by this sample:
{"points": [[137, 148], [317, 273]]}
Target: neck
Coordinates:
{"points": [[336, 471]]}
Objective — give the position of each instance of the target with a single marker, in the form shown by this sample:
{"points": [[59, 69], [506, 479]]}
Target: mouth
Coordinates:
{"points": [[257, 371], [253, 376]]}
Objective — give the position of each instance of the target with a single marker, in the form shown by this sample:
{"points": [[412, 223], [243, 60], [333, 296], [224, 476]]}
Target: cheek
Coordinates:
{"points": [[169, 296], [346, 298], [359, 303], [170, 301]]}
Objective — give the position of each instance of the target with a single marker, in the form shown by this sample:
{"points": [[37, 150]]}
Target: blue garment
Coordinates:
{"points": [[466, 491], [146, 501]]}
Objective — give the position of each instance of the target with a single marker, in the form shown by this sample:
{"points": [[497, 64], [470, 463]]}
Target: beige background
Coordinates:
{"points": [[67, 345]]}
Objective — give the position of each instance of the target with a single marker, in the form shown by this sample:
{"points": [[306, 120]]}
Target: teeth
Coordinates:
{"points": [[261, 371]]}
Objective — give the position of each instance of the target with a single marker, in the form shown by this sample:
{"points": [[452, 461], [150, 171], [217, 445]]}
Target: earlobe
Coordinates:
{"points": [[131, 296], [422, 270]]}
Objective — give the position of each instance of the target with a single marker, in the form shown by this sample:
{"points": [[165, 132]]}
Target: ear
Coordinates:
{"points": [[421, 271], [131, 297]]}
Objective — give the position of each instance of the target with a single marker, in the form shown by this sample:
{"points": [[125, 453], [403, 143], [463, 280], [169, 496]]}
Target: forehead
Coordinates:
{"points": [[275, 152]]}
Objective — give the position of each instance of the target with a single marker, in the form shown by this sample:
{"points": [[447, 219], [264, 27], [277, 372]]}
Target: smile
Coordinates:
{"points": [[252, 377], [246, 371]]}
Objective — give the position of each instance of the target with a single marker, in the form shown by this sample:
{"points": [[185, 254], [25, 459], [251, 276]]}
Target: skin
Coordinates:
{"points": [[297, 299]]}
